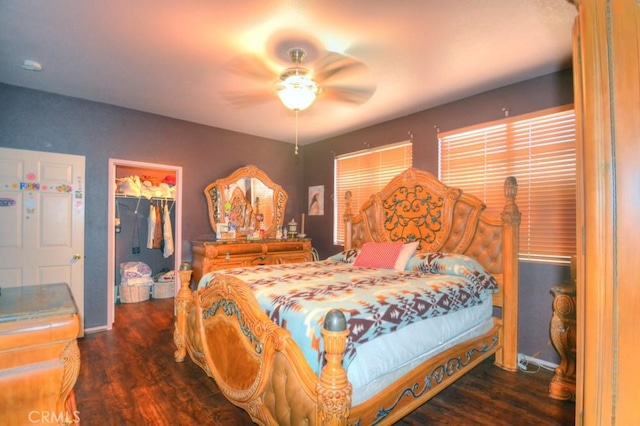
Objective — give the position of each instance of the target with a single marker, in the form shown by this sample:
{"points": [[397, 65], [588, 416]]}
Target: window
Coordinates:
{"points": [[539, 150], [364, 173]]}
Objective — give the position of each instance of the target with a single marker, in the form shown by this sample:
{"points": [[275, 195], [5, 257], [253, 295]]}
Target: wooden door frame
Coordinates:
{"points": [[111, 239], [608, 94]]}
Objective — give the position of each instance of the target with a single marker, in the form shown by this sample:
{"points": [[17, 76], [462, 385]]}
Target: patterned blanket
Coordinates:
{"points": [[374, 301]]}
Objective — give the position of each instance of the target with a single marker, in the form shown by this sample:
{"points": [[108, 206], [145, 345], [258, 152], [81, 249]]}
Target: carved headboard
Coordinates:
{"points": [[416, 206]]}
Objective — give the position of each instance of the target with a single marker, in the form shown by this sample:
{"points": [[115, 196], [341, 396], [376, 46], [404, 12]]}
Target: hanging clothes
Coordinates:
{"points": [[167, 233], [135, 238], [157, 233], [151, 225]]}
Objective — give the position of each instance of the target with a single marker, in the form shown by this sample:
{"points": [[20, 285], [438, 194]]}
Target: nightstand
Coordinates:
{"points": [[563, 336]]}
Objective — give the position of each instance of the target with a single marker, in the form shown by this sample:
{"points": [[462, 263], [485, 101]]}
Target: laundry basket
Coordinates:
{"points": [[134, 293], [163, 290], [135, 283], [163, 285]]}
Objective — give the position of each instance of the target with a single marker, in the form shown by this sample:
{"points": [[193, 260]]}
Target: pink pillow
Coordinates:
{"points": [[407, 251], [379, 255]]}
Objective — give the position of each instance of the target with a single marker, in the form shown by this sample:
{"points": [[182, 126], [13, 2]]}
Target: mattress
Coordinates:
{"points": [[375, 301], [382, 361]]}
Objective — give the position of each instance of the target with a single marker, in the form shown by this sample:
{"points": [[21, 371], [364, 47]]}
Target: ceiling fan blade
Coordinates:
{"points": [[240, 99], [334, 63], [252, 66], [352, 95]]}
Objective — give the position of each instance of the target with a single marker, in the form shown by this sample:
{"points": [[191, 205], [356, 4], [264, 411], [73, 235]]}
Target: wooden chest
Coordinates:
{"points": [[215, 255], [39, 356]]}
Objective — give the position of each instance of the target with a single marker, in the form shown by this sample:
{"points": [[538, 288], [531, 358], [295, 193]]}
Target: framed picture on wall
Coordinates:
{"points": [[316, 200]]}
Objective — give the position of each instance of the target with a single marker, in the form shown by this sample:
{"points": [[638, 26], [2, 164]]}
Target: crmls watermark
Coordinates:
{"points": [[51, 417]]}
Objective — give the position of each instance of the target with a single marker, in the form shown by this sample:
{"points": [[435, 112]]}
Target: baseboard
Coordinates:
{"points": [[96, 329]]}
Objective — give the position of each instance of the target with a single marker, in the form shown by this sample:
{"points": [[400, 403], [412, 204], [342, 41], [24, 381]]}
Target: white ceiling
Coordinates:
{"points": [[172, 57]]}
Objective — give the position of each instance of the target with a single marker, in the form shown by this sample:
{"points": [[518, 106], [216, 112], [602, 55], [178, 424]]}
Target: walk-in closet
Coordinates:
{"points": [[144, 244]]}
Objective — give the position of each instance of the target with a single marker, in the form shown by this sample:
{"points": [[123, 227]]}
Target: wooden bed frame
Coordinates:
{"points": [[258, 366]]}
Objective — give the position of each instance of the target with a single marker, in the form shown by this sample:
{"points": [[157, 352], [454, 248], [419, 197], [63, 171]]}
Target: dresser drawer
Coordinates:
{"points": [[216, 255], [233, 250], [286, 246]]}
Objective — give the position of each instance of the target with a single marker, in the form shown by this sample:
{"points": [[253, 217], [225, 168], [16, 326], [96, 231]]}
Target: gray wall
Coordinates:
{"points": [[540, 93], [48, 122], [43, 121]]}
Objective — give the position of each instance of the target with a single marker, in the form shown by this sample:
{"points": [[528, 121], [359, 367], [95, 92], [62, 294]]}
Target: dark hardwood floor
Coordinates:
{"points": [[128, 377]]}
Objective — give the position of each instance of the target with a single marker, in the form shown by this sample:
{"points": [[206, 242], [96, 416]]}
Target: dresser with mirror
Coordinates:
{"points": [[246, 211]]}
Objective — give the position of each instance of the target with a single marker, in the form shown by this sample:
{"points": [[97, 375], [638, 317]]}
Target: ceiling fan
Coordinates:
{"points": [[298, 86]]}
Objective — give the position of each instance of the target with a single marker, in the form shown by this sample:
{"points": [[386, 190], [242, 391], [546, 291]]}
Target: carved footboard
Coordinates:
{"points": [[425, 381], [255, 363], [259, 368]]}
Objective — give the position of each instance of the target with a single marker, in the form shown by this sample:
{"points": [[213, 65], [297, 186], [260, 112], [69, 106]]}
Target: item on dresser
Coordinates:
{"points": [[223, 232], [292, 229]]}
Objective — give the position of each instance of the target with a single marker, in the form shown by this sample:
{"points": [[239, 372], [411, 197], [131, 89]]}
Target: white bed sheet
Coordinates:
{"points": [[380, 362]]}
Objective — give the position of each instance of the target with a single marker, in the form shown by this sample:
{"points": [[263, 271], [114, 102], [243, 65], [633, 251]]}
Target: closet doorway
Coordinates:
{"points": [[137, 211]]}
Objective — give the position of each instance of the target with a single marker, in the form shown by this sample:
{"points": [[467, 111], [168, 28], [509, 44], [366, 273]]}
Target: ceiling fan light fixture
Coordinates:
{"points": [[297, 92]]}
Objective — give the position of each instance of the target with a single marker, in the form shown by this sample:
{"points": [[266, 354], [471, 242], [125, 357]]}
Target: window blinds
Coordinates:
{"points": [[365, 173], [539, 150]]}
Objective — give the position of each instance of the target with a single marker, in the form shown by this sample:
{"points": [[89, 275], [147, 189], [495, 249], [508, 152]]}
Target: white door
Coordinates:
{"points": [[42, 220]]}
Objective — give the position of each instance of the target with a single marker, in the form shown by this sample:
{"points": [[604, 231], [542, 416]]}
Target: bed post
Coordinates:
{"points": [[508, 355], [348, 216], [183, 299], [333, 389]]}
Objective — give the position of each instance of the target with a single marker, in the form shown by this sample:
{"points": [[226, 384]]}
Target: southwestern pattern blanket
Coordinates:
{"points": [[375, 301]]}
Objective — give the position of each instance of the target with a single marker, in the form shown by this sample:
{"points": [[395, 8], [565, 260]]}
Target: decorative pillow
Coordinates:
{"points": [[379, 255], [347, 256], [407, 251]]}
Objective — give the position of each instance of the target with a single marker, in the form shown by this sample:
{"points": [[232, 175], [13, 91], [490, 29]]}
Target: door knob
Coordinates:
{"points": [[77, 256]]}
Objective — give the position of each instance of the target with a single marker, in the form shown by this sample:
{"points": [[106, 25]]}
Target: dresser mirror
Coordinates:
{"points": [[244, 202]]}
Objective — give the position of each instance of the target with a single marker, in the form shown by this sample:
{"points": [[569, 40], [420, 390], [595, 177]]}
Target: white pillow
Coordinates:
{"points": [[405, 254]]}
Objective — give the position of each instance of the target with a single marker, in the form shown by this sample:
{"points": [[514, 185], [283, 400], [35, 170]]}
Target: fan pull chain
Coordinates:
{"points": [[296, 150]]}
